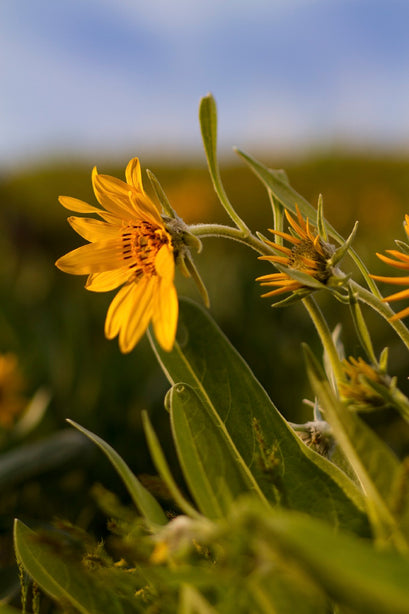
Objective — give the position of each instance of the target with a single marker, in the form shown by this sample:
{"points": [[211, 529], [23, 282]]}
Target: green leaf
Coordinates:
{"points": [[62, 579], [374, 463], [290, 198], [284, 469], [7, 609], [352, 571], [144, 501], [162, 467], [208, 126], [214, 477]]}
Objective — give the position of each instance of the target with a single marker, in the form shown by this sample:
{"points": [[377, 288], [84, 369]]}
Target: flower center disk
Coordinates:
{"points": [[141, 241]]}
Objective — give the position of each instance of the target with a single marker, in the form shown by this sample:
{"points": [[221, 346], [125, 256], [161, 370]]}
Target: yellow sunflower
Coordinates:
{"points": [[400, 260], [308, 254], [129, 247]]}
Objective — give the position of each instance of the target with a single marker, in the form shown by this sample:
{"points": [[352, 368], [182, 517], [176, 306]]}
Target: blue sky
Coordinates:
{"points": [[122, 77]]}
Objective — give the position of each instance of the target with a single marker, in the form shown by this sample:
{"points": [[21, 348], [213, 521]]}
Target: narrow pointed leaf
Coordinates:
{"points": [[162, 467], [208, 126], [144, 501]]}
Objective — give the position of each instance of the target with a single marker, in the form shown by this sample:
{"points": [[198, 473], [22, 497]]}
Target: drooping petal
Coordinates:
{"points": [[92, 258], [138, 309], [94, 230], [165, 314], [165, 263], [108, 280], [118, 311]]}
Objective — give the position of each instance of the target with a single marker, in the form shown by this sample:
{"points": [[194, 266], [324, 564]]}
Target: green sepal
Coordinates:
{"points": [[383, 360], [320, 219], [341, 251], [361, 328], [161, 195], [404, 247]]}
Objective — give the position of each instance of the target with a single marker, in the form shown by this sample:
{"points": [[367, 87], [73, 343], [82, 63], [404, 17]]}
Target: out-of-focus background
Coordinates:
{"points": [[318, 88]]}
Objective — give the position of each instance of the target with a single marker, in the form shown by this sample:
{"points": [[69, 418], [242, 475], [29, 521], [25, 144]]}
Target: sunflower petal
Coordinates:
{"points": [[133, 174], [112, 194], [165, 263], [397, 296], [401, 314], [79, 206], [94, 230], [138, 309], [108, 280], [165, 314], [117, 312], [144, 208], [92, 258]]}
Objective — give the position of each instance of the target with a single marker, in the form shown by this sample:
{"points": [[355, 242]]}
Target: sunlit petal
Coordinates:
{"points": [[165, 263], [138, 309], [133, 174], [92, 258], [118, 311], [94, 230], [79, 206], [108, 280], [165, 315]]}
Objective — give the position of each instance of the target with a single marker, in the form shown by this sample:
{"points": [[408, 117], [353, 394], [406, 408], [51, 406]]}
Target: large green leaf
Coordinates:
{"points": [[64, 580], [144, 501], [293, 474], [209, 462]]}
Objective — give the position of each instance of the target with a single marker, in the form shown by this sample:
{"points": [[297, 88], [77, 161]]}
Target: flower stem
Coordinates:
{"points": [[383, 309], [324, 333], [228, 232]]}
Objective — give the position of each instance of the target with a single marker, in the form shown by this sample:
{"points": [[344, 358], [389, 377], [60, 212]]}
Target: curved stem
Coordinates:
{"points": [[383, 309], [324, 333], [235, 234]]}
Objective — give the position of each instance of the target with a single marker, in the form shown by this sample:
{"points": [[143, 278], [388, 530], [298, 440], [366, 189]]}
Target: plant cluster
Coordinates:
{"points": [[272, 517]]}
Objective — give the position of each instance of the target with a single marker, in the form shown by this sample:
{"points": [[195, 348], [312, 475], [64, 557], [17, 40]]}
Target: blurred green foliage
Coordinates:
{"points": [[56, 328]]}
